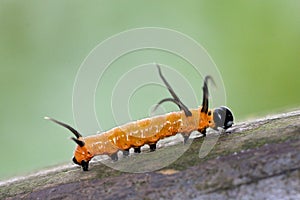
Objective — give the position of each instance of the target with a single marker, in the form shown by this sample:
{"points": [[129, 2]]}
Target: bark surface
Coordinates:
{"points": [[257, 159]]}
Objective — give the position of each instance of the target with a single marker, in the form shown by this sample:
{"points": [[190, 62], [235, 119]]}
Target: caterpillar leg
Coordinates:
{"points": [[185, 138], [203, 132], [114, 156], [152, 147], [85, 165], [126, 152], [137, 149]]}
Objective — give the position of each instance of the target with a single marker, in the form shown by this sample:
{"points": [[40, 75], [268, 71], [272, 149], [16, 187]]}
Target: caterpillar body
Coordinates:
{"points": [[150, 130]]}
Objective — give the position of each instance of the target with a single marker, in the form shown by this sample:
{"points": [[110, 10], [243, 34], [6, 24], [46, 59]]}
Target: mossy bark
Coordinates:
{"points": [[256, 159]]}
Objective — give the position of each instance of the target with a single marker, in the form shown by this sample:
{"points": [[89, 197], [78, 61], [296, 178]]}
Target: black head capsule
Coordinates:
{"points": [[223, 118]]}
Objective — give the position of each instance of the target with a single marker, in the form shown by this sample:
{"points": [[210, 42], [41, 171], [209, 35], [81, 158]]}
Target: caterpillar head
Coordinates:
{"points": [[82, 155], [223, 118]]}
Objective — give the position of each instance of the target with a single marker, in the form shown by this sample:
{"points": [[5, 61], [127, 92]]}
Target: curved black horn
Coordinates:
{"points": [[79, 142], [206, 94], [78, 135], [175, 99]]}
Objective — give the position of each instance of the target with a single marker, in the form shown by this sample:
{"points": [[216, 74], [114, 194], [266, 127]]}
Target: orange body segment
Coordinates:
{"points": [[141, 132]]}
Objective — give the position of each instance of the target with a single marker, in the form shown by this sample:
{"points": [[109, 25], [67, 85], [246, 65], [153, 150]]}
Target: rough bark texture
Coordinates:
{"points": [[257, 160]]}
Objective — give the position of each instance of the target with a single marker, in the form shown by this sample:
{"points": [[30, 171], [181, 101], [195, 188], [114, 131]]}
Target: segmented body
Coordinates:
{"points": [[147, 131]]}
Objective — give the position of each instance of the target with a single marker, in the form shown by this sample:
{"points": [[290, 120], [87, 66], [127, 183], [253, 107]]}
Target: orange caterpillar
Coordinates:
{"points": [[150, 130]]}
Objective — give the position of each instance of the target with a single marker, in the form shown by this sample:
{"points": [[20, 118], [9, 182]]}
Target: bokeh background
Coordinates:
{"points": [[255, 45]]}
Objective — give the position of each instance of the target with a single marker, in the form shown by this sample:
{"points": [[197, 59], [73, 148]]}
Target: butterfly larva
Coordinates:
{"points": [[150, 130]]}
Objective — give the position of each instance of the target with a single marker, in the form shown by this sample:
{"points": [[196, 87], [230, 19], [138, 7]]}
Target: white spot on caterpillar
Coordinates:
{"points": [[134, 132]]}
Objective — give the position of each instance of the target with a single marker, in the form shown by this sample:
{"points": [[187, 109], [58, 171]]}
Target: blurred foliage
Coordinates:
{"points": [[255, 45]]}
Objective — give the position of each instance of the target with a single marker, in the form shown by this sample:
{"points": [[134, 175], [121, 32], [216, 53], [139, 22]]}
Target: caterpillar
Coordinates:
{"points": [[150, 130]]}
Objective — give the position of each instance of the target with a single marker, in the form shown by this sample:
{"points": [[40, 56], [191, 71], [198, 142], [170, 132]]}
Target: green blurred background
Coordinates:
{"points": [[255, 45]]}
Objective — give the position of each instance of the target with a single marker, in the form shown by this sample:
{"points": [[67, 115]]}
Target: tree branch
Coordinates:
{"points": [[258, 158]]}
